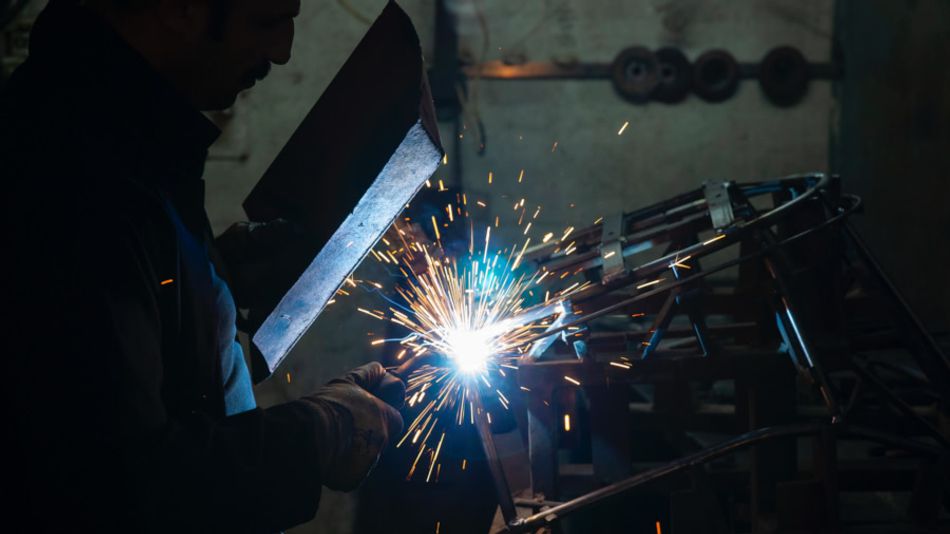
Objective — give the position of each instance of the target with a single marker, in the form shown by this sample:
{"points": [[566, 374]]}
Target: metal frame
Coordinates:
{"points": [[678, 222]]}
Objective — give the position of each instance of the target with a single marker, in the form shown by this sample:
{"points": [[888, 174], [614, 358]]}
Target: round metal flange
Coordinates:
{"points": [[715, 76], [635, 74], [676, 75], [783, 76]]}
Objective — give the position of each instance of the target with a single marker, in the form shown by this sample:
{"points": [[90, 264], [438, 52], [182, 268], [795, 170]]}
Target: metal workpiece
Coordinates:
{"points": [[759, 334], [684, 216], [565, 314], [640, 276]]}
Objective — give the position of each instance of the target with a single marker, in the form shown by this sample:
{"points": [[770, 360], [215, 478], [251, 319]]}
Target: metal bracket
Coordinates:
{"points": [[720, 203], [541, 345], [611, 248]]}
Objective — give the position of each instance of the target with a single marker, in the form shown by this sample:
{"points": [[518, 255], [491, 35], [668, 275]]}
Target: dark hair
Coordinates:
{"points": [[220, 10], [132, 5]]}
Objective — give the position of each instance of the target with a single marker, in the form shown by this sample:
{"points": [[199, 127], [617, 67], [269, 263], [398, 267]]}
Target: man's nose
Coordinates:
{"points": [[279, 52]]}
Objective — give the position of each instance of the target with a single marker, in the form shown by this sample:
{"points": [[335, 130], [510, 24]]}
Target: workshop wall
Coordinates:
{"points": [[666, 149]]}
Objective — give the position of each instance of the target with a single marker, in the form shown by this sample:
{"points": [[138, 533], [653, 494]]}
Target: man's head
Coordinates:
{"points": [[210, 50]]}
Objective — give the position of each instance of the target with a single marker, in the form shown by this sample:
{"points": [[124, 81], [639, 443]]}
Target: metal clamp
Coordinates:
{"points": [[611, 248], [720, 203]]}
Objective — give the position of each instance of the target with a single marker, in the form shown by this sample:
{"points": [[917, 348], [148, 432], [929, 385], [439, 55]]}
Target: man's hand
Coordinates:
{"points": [[358, 424]]}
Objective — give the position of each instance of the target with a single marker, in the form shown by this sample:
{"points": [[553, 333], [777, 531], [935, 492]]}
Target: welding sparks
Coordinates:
{"points": [[681, 263], [713, 240], [651, 283], [469, 313], [472, 314], [521, 254]]}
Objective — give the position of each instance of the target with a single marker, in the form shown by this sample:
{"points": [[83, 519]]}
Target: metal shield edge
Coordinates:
{"points": [[410, 166]]}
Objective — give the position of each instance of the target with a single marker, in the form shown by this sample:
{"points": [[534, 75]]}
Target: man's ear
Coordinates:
{"points": [[185, 18]]}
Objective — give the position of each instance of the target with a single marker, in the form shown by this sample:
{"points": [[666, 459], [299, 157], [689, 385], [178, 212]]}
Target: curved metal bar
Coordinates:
{"points": [[730, 235], [856, 204], [682, 206], [555, 513]]}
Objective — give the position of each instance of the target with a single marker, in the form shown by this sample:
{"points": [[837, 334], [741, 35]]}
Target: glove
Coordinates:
{"points": [[357, 425], [262, 260]]}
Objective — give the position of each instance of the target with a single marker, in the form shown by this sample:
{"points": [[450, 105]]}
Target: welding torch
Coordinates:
{"points": [[392, 388]]}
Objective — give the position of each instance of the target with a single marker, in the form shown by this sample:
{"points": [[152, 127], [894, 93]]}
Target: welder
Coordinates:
{"points": [[128, 404]]}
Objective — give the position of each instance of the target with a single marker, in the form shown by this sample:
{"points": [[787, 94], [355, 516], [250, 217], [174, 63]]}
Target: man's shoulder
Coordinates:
{"points": [[53, 118], [61, 171], [54, 138], [69, 165]]}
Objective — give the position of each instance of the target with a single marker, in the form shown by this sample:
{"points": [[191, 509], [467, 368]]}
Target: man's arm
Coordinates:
{"points": [[100, 434]]}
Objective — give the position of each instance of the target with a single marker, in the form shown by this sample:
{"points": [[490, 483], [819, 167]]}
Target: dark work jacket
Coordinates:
{"points": [[114, 417]]}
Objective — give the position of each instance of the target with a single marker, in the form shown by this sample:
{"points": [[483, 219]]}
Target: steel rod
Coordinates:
{"points": [[555, 513], [500, 481], [937, 365]]}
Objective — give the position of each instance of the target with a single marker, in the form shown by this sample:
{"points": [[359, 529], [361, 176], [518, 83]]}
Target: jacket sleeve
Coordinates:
{"points": [[99, 445]]}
